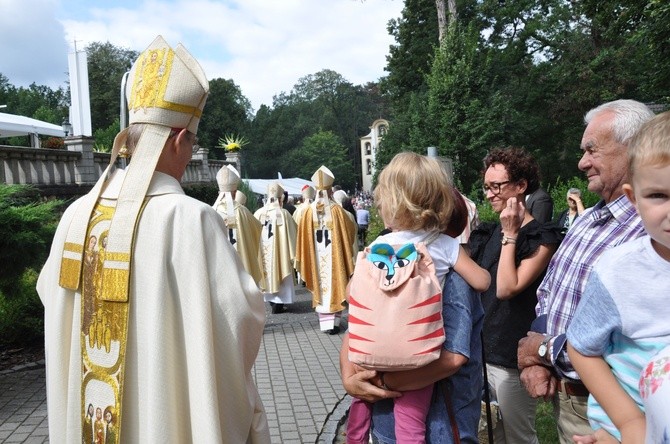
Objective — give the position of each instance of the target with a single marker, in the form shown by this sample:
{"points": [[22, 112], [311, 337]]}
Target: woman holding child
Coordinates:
{"points": [[516, 252]]}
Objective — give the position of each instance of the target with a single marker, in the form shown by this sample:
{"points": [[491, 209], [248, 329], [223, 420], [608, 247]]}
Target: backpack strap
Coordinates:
{"points": [[431, 236], [446, 394]]}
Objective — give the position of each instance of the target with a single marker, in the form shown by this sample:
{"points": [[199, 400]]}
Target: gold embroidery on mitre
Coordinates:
{"points": [[151, 81]]}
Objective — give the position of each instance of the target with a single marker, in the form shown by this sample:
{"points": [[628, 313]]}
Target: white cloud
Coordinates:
{"points": [[264, 46], [32, 43]]}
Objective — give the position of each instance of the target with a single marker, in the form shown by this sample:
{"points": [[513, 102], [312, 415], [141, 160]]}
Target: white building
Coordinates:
{"points": [[369, 147]]}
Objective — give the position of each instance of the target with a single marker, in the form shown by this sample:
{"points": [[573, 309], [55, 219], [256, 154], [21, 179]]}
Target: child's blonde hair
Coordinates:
{"points": [[414, 192], [651, 144]]}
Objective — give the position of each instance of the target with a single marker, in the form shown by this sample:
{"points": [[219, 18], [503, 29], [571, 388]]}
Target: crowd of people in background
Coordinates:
{"points": [[572, 311]]}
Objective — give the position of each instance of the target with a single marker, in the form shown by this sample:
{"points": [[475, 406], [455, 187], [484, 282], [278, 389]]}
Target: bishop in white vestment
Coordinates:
{"points": [[152, 325]]}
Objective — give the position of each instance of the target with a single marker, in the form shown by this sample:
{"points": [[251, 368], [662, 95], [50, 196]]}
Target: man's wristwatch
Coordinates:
{"points": [[543, 350]]}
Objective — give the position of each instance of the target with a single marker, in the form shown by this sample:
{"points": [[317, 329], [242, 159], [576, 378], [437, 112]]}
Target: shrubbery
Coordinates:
{"points": [[21, 314], [27, 226]]}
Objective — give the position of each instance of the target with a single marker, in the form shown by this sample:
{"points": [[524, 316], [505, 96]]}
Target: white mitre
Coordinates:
{"points": [[228, 179], [166, 90], [323, 180]]}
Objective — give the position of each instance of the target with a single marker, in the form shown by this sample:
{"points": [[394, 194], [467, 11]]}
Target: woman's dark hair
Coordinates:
{"points": [[459, 217], [519, 163]]}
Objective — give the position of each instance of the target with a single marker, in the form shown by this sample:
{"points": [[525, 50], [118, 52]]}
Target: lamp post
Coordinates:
{"points": [[67, 127]]}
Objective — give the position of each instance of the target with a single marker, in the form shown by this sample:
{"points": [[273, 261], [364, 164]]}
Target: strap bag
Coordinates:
{"points": [[395, 308]]}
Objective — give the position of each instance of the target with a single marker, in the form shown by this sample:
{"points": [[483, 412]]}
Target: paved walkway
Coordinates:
{"points": [[297, 374]]}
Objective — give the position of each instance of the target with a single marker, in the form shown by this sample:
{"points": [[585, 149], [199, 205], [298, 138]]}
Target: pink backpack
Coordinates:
{"points": [[395, 308]]}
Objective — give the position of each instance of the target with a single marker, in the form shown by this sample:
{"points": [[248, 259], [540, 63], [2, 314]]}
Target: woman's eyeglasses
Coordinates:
{"points": [[494, 187]]}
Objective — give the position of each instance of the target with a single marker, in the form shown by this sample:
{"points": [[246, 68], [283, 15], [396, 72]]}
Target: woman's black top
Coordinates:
{"points": [[507, 321]]}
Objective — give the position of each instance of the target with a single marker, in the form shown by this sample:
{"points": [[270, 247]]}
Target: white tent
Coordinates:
{"points": [[293, 185], [13, 125]]}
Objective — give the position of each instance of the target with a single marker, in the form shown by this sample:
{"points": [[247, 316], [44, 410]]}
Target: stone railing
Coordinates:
{"points": [[20, 165], [80, 166]]}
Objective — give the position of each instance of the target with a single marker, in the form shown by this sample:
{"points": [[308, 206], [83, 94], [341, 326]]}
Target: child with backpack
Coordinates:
{"points": [[405, 268]]}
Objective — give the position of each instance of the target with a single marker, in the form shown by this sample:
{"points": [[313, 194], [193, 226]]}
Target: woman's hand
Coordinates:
{"points": [[359, 385], [576, 198], [511, 217], [358, 382]]}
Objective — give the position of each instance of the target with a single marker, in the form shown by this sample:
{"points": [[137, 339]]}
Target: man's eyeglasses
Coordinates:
{"points": [[494, 187]]}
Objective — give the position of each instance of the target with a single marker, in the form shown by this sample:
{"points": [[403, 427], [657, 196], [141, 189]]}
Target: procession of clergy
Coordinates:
{"points": [[152, 325], [318, 241]]}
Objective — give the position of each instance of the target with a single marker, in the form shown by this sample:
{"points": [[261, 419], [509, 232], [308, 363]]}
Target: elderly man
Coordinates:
{"points": [[175, 322], [546, 370]]}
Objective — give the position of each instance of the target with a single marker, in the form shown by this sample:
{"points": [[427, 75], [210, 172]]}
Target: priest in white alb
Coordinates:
{"points": [[244, 230], [324, 258], [151, 320], [277, 250]]}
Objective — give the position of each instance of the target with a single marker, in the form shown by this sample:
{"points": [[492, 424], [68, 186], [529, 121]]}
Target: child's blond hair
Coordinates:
{"points": [[414, 192], [651, 144]]}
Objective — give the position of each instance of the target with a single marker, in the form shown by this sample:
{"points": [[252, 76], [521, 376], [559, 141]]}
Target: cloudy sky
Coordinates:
{"points": [[264, 46]]}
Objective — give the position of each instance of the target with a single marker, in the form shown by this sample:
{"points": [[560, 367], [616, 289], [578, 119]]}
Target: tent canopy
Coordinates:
{"points": [[293, 185], [12, 125]]}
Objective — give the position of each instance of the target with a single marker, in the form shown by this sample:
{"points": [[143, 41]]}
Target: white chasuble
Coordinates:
{"points": [[324, 256], [195, 324], [244, 232], [277, 250]]}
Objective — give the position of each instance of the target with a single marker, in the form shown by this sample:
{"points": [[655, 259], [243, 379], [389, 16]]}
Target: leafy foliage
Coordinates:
{"points": [[206, 193], [104, 137], [559, 191], [410, 59], [106, 66], [519, 73], [323, 148], [320, 102], [21, 313], [27, 226], [227, 111]]}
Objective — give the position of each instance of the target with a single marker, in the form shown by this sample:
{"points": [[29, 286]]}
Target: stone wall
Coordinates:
{"points": [[80, 167]]}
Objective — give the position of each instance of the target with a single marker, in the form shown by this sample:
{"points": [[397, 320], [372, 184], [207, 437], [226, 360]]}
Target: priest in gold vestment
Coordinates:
{"points": [[244, 230], [277, 250], [150, 316], [325, 253]]}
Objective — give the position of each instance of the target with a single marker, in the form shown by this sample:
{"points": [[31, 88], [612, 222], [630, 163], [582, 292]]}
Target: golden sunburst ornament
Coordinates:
{"points": [[232, 143]]}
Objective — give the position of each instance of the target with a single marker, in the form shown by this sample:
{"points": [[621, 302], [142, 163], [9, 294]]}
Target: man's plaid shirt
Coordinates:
{"points": [[597, 230]]}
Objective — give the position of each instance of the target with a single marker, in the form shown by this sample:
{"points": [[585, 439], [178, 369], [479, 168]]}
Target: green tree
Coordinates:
{"points": [[410, 59], [107, 64], [276, 131], [227, 111], [324, 101], [324, 148], [466, 113]]}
